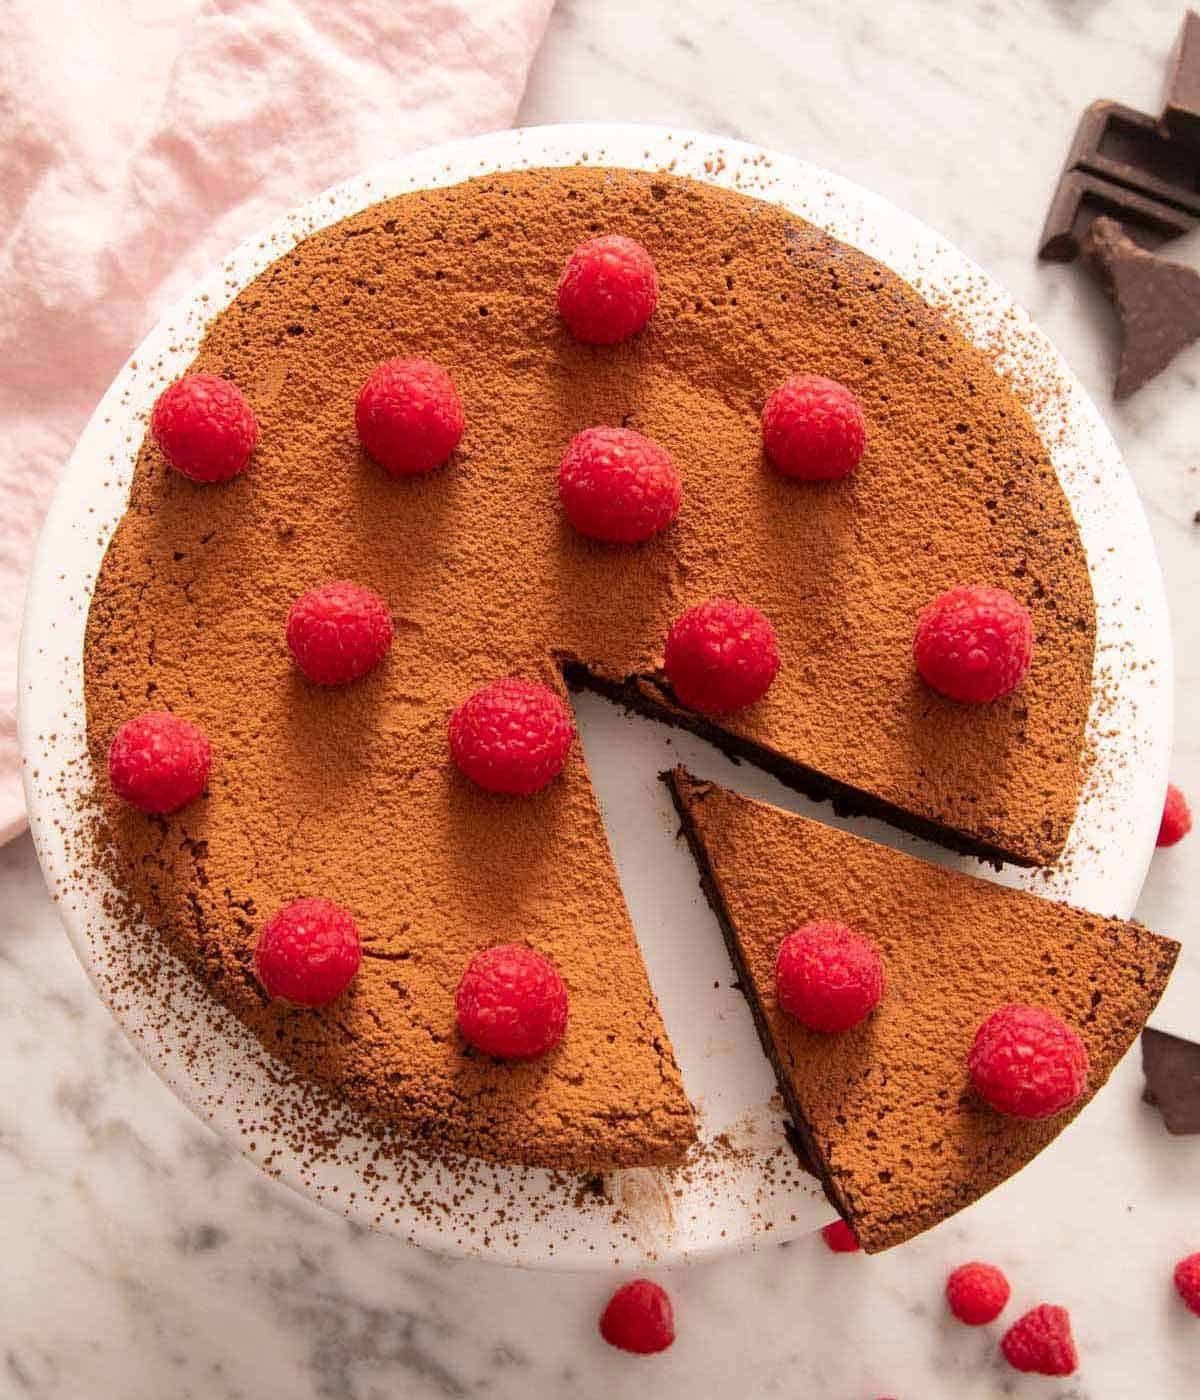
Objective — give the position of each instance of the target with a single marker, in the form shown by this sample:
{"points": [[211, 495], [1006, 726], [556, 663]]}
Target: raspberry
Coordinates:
{"points": [[639, 1318], [204, 427], [977, 1293], [158, 762], [1028, 1063], [1176, 818], [721, 656], [618, 486], [511, 736], [827, 976], [974, 643], [308, 952], [511, 1003], [608, 290], [1041, 1341], [840, 1238], [409, 416], [1187, 1282], [338, 632], [813, 428]]}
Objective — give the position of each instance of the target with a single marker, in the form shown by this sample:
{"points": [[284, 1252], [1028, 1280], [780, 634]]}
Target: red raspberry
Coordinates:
{"points": [[511, 736], [1028, 1063], [813, 428], [721, 656], [618, 486], [840, 1238], [511, 1003], [1176, 818], [409, 416], [204, 427], [1041, 1341], [158, 762], [974, 643], [608, 290], [308, 952], [1187, 1282], [639, 1318], [338, 632], [977, 1293], [827, 976]]}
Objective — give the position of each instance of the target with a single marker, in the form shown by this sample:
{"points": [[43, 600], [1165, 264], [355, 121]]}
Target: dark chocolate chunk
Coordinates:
{"points": [[1131, 149], [1122, 164], [1157, 301], [1181, 106], [1172, 1069], [1081, 198]]}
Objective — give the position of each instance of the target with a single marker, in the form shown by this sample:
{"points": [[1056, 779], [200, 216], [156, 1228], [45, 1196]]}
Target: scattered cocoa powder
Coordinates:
{"points": [[348, 793]]}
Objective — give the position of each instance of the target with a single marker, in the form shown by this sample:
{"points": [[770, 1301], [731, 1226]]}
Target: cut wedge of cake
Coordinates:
{"points": [[886, 1112]]}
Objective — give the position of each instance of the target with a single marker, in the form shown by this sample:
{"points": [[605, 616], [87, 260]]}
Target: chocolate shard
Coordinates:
{"points": [[1158, 303], [1081, 198], [1181, 105], [1172, 1069]]}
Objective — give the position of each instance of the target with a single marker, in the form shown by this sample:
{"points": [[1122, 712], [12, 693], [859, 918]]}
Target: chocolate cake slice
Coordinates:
{"points": [[886, 1112]]}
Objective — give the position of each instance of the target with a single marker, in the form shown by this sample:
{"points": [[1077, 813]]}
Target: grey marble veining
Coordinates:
{"points": [[143, 1259]]}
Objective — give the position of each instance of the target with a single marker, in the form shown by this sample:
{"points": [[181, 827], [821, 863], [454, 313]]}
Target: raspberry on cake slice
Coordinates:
{"points": [[827, 976], [1027, 1062], [957, 1077], [974, 644], [511, 1003]]}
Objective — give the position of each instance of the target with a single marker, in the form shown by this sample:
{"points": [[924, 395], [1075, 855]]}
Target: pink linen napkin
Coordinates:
{"points": [[141, 141]]}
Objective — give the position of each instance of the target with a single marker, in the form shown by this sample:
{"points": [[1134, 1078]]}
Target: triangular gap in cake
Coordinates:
{"points": [[886, 1111]]}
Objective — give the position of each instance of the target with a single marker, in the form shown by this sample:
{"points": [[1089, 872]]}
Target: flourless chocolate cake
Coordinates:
{"points": [[349, 794]]}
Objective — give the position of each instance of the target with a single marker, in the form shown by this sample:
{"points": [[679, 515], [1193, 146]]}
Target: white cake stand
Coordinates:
{"points": [[744, 1185]]}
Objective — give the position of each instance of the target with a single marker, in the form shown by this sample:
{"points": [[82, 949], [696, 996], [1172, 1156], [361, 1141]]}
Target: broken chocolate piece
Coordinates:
{"points": [[1172, 1069], [1082, 198], [1181, 106], [1158, 303], [1122, 164], [1131, 149]]}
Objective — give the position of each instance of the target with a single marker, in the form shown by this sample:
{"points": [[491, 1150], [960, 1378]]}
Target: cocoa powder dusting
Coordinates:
{"points": [[349, 794]]}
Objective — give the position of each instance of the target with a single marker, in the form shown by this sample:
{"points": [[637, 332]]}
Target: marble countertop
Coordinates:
{"points": [[142, 1258]]}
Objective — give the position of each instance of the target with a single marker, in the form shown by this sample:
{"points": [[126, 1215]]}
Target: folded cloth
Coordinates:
{"points": [[140, 141]]}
